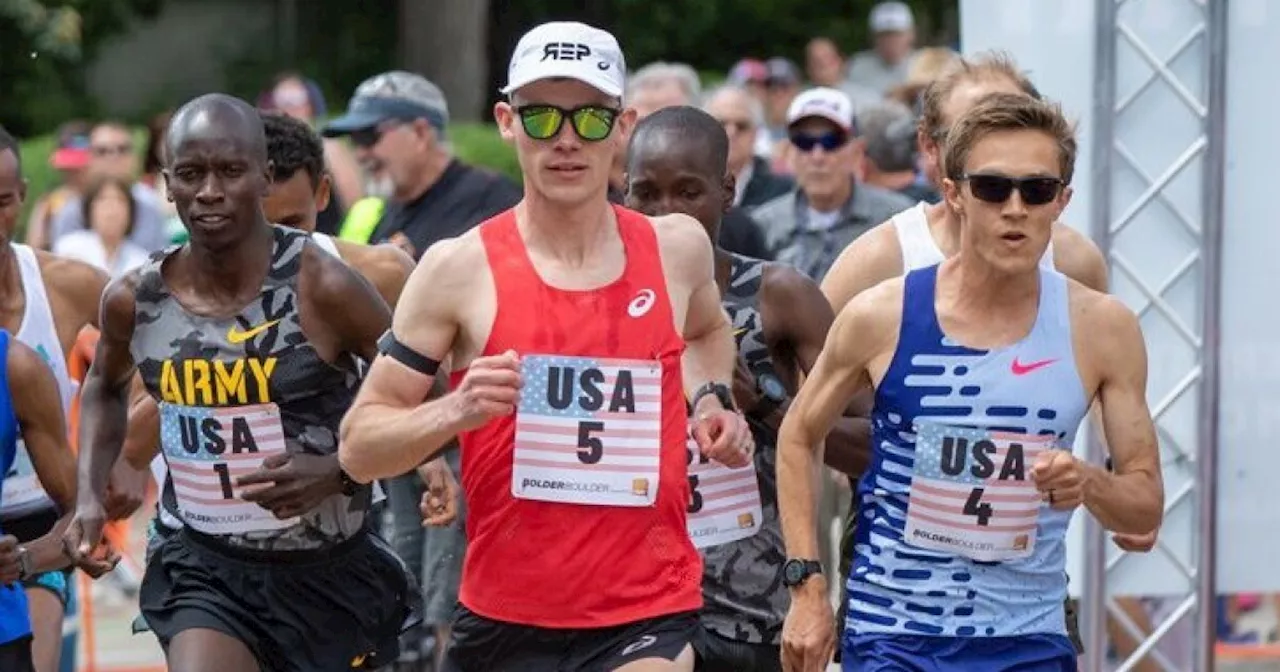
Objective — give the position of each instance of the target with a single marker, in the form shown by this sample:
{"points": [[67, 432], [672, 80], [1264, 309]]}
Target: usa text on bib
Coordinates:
{"points": [[588, 431]]}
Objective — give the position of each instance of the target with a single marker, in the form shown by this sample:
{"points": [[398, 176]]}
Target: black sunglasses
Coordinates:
{"points": [[368, 137], [829, 142], [592, 123], [998, 188]]}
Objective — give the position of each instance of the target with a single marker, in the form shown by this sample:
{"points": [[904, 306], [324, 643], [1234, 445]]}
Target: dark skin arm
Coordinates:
{"points": [[129, 478], [340, 312], [796, 319], [103, 416]]}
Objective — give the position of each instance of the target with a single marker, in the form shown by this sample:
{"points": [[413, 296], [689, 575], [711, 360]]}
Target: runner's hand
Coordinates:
{"points": [[490, 389], [299, 482], [82, 541], [809, 633], [724, 436], [439, 504], [126, 490], [1136, 543], [1059, 478], [10, 568]]}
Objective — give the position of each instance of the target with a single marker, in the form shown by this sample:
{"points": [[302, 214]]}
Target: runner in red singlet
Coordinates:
{"points": [[577, 330]]}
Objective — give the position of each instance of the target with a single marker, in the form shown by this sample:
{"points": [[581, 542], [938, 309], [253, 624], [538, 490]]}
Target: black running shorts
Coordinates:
{"points": [[340, 608], [721, 654], [15, 656], [485, 645]]}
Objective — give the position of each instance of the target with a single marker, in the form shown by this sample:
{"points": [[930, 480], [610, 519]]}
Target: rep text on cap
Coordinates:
{"points": [[568, 50]]}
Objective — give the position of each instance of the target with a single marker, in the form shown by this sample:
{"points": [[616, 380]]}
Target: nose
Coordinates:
{"points": [[211, 189], [1014, 206], [567, 139]]}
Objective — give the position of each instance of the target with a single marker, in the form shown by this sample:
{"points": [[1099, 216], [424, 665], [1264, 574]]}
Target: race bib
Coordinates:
{"points": [[207, 450], [22, 492], [724, 503], [588, 431], [972, 494]]}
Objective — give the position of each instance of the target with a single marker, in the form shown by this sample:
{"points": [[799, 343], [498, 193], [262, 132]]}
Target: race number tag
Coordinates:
{"points": [[972, 494], [724, 503], [22, 492], [207, 450], [588, 431]]}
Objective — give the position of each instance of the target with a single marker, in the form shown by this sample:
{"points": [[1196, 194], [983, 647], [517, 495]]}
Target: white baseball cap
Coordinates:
{"points": [[568, 49], [891, 17], [825, 103]]}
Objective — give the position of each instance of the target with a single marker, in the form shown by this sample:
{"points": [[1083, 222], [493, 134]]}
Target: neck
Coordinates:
{"points": [[568, 233], [111, 245], [436, 163], [833, 201], [944, 226], [723, 268], [232, 270], [987, 290]]}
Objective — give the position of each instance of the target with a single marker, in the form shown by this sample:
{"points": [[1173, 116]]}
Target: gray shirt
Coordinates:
{"points": [[813, 248], [867, 69], [149, 230]]}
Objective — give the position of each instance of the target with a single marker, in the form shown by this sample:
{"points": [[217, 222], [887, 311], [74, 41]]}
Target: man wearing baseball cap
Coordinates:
{"points": [[893, 35], [577, 330], [398, 122], [809, 226]]}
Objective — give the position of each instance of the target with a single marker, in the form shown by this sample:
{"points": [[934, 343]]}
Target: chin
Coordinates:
{"points": [[571, 195]]}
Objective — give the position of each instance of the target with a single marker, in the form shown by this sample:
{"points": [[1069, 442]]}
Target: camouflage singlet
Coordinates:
{"points": [[234, 390], [742, 580]]}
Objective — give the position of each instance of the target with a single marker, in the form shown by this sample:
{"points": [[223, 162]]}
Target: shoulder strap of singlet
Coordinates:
{"points": [[508, 260], [326, 243], [10, 416], [919, 249], [746, 278], [286, 257], [918, 292]]}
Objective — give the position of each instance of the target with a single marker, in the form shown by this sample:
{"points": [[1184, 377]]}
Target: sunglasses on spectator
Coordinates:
{"points": [[368, 137], [592, 123], [829, 142], [103, 151], [998, 188]]}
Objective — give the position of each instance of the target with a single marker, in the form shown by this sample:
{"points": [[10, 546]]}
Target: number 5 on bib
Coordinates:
{"points": [[207, 449], [972, 494], [588, 431]]}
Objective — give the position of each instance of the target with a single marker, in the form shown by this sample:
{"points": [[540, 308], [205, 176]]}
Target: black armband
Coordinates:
{"points": [[393, 348]]}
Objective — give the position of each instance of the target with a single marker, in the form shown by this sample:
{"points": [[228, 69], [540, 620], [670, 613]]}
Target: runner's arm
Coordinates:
{"points": [[142, 436], [346, 304], [710, 354], [387, 267], [838, 373], [105, 393], [38, 408], [797, 304], [1131, 499], [389, 429]]}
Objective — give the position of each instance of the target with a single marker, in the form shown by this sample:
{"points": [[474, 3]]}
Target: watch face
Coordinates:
{"points": [[793, 572], [773, 388]]}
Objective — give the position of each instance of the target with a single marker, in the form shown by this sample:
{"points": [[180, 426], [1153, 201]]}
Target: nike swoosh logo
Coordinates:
{"points": [[236, 337], [741, 331], [1020, 369]]}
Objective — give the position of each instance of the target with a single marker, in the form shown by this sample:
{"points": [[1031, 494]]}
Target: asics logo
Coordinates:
{"points": [[642, 303], [643, 642], [1020, 369]]}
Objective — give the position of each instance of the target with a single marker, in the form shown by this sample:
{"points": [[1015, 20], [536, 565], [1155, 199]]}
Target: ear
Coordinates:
{"points": [[951, 192], [505, 117], [324, 191], [1064, 199], [625, 123], [168, 184], [730, 185], [926, 146]]}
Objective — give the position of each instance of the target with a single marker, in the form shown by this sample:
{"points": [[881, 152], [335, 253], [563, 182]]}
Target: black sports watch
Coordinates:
{"points": [[773, 394], [721, 391], [795, 572]]}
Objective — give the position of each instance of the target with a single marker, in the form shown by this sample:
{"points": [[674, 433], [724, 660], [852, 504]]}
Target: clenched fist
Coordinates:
{"points": [[490, 389]]}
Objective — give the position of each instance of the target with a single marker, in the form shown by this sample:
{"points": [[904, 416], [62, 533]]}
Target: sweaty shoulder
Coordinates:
{"points": [[868, 324], [74, 287], [1076, 256], [870, 259]]}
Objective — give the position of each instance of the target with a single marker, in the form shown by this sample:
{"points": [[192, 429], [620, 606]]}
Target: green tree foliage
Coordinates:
{"points": [[44, 46]]}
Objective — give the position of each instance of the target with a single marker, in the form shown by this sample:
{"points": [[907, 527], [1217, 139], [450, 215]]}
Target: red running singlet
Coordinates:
{"points": [[555, 564]]}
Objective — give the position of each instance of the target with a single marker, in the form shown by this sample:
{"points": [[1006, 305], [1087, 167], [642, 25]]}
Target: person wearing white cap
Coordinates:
{"points": [[827, 210], [576, 331], [893, 35]]}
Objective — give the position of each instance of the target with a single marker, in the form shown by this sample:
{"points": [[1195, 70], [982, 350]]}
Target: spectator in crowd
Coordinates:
{"points": [[889, 160], [927, 66], [781, 87], [71, 159], [811, 225], [398, 122], [110, 209], [152, 174], [751, 74], [893, 34], [660, 85], [112, 154], [825, 66], [302, 98], [743, 116]]}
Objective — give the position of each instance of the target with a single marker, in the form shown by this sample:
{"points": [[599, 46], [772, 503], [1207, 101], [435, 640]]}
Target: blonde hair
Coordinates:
{"points": [[986, 66], [1009, 112]]}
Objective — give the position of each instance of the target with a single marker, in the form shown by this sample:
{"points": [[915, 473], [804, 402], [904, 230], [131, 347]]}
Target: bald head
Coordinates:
{"points": [[221, 118]]}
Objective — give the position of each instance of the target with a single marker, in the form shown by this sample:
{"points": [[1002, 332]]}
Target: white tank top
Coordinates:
{"points": [[22, 492], [158, 469], [920, 250]]}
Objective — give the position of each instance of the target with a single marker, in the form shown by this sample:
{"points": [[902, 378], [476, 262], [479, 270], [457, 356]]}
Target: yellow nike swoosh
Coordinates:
{"points": [[741, 331], [236, 337]]}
